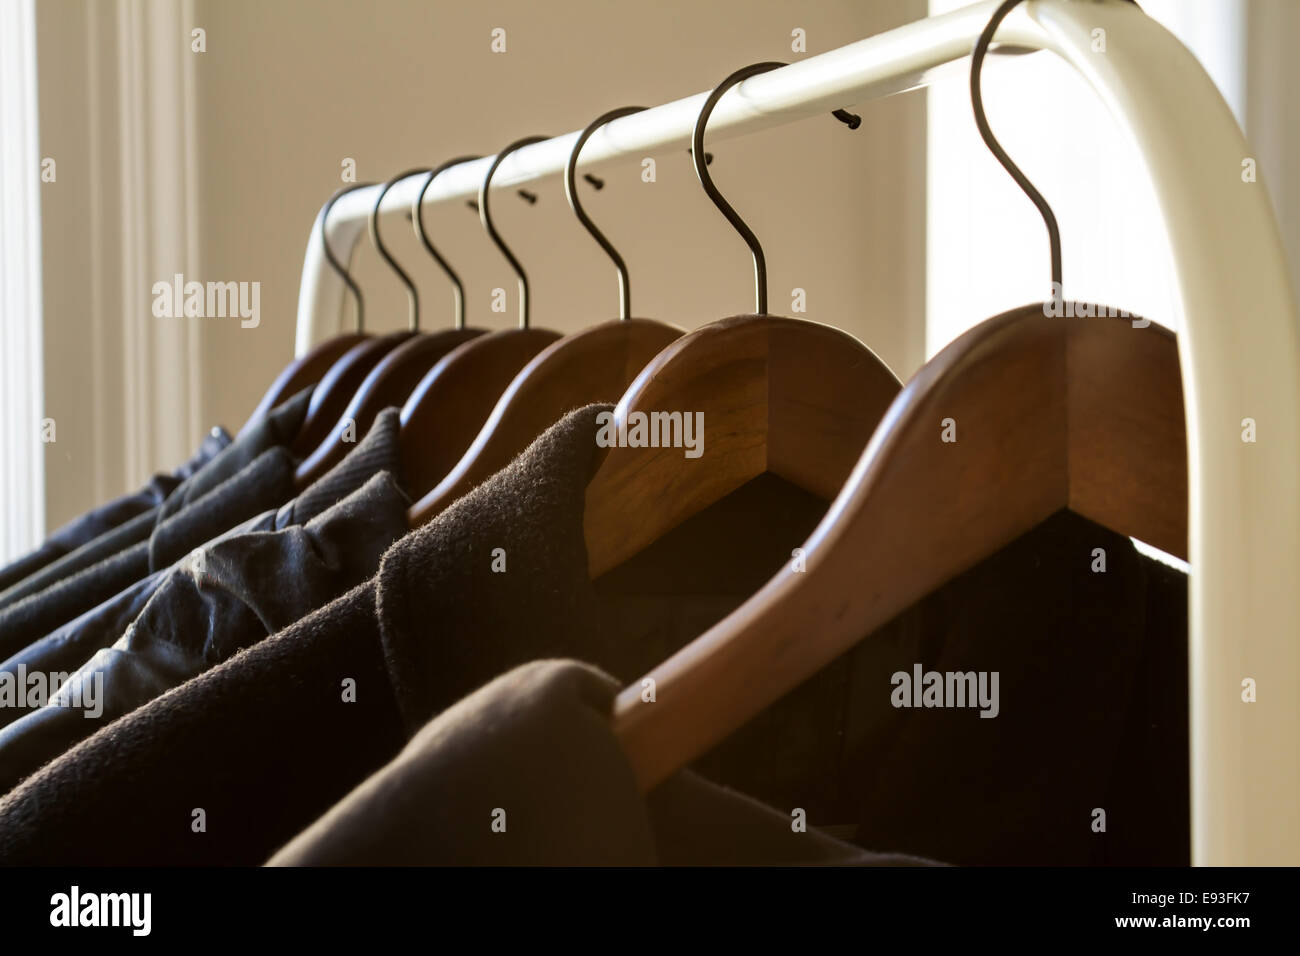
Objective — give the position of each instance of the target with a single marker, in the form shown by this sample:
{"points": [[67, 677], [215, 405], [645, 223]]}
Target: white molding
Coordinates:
{"points": [[22, 455], [117, 95], [190, 137], [100, 143], [157, 233]]}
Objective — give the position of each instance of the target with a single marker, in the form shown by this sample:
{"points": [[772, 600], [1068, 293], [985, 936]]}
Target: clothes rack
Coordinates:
{"points": [[1239, 348]]}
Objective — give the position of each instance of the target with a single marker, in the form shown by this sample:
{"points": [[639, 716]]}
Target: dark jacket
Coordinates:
{"points": [[85, 528], [230, 593], [253, 474], [527, 772], [308, 713]]}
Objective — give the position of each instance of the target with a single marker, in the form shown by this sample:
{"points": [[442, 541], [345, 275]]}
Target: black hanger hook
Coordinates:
{"points": [[485, 216], [337, 266], [417, 220], [571, 192], [699, 158], [977, 103], [413, 297]]}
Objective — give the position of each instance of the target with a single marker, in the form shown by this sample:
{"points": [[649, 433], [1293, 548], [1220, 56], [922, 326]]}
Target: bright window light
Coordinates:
{"points": [[22, 460], [986, 244]]}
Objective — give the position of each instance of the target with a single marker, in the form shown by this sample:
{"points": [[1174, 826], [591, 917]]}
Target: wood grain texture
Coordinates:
{"points": [[1049, 413], [788, 396], [1127, 440], [388, 384], [594, 365], [454, 399], [337, 387], [304, 371]]}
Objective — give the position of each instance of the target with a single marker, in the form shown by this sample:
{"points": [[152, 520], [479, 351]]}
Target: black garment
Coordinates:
{"points": [[206, 505], [278, 428], [695, 575], [265, 483], [1092, 683], [250, 585], [65, 649], [438, 621], [527, 772], [93, 523], [1093, 711], [72, 645], [308, 713]]}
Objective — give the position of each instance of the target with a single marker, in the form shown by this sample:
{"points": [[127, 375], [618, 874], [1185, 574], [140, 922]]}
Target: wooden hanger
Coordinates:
{"points": [[452, 401], [787, 396], [311, 368], [449, 406], [1047, 413], [594, 365], [304, 371], [331, 397], [391, 381]]}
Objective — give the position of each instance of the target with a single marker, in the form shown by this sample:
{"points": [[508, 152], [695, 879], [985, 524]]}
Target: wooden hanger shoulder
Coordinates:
{"points": [[789, 396], [388, 384], [455, 397], [593, 365], [1020, 417], [304, 371], [337, 387]]}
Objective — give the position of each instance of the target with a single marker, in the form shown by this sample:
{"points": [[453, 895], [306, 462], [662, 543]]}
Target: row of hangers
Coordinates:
{"points": [[1083, 414]]}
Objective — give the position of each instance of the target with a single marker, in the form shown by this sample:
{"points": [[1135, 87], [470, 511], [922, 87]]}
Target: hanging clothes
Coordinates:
{"points": [[250, 583], [254, 473], [498, 579], [89, 526], [527, 772]]}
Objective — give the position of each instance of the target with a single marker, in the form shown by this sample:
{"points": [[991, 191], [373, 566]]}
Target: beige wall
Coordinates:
{"points": [[287, 89], [85, 464]]}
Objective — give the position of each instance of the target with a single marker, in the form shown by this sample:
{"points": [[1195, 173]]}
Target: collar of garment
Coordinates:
{"points": [[255, 469], [277, 429], [380, 450], [513, 545]]}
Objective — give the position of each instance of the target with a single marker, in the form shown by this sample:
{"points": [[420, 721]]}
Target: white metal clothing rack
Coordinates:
{"points": [[1240, 352]]}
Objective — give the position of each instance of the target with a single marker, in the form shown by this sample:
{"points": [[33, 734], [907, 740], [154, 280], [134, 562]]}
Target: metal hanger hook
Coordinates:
{"points": [[699, 158], [337, 266], [413, 296], [417, 220], [571, 193], [485, 216], [977, 103]]}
